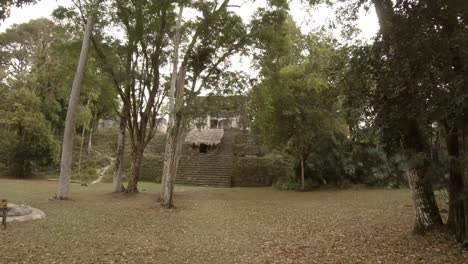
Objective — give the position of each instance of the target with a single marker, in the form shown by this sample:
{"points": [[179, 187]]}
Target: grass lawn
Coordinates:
{"points": [[209, 225]]}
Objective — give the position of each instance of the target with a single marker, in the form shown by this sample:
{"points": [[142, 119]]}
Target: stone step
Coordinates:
{"points": [[207, 173], [205, 184], [203, 181], [228, 180], [204, 162], [207, 165], [197, 168], [225, 173], [202, 176]]}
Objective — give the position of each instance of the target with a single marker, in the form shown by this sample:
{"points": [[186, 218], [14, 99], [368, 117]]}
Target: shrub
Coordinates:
{"points": [[260, 171], [286, 183], [27, 139], [21, 155], [370, 165]]}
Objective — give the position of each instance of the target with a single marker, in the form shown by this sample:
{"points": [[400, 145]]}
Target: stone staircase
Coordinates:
{"points": [[210, 169]]}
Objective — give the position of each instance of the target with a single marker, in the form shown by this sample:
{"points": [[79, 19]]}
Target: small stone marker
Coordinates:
{"points": [[3, 208]]}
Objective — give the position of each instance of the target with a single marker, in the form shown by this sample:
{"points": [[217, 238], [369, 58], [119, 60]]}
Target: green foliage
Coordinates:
{"points": [[296, 105], [287, 184], [371, 166], [315, 102], [41, 59], [332, 161], [28, 141], [261, 171]]}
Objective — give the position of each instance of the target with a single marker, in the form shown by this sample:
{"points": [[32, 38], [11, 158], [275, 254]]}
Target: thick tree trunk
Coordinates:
{"points": [[118, 170], [174, 129], [137, 160], [457, 200], [464, 238], [427, 212], [458, 183], [70, 122]]}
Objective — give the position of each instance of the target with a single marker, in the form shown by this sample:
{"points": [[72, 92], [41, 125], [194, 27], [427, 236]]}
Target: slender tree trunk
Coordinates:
{"points": [[173, 145], [81, 150], [90, 140], [118, 171], [302, 173], [70, 122], [457, 200], [174, 128], [83, 133], [137, 160]]}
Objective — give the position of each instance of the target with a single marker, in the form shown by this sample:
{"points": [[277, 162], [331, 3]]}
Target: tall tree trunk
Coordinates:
{"points": [[464, 149], [137, 160], [458, 185], [427, 212], [457, 199], [173, 145], [118, 171], [70, 122], [174, 128]]}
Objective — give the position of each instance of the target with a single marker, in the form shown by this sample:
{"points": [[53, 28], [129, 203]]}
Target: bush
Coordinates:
{"points": [[371, 166], [290, 184], [27, 139], [21, 155], [336, 163], [260, 171], [325, 163]]}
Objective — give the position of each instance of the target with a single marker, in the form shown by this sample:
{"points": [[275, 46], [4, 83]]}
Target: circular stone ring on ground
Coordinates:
{"points": [[22, 213]]}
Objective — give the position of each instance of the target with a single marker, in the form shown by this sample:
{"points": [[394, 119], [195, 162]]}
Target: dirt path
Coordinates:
{"points": [[102, 171]]}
